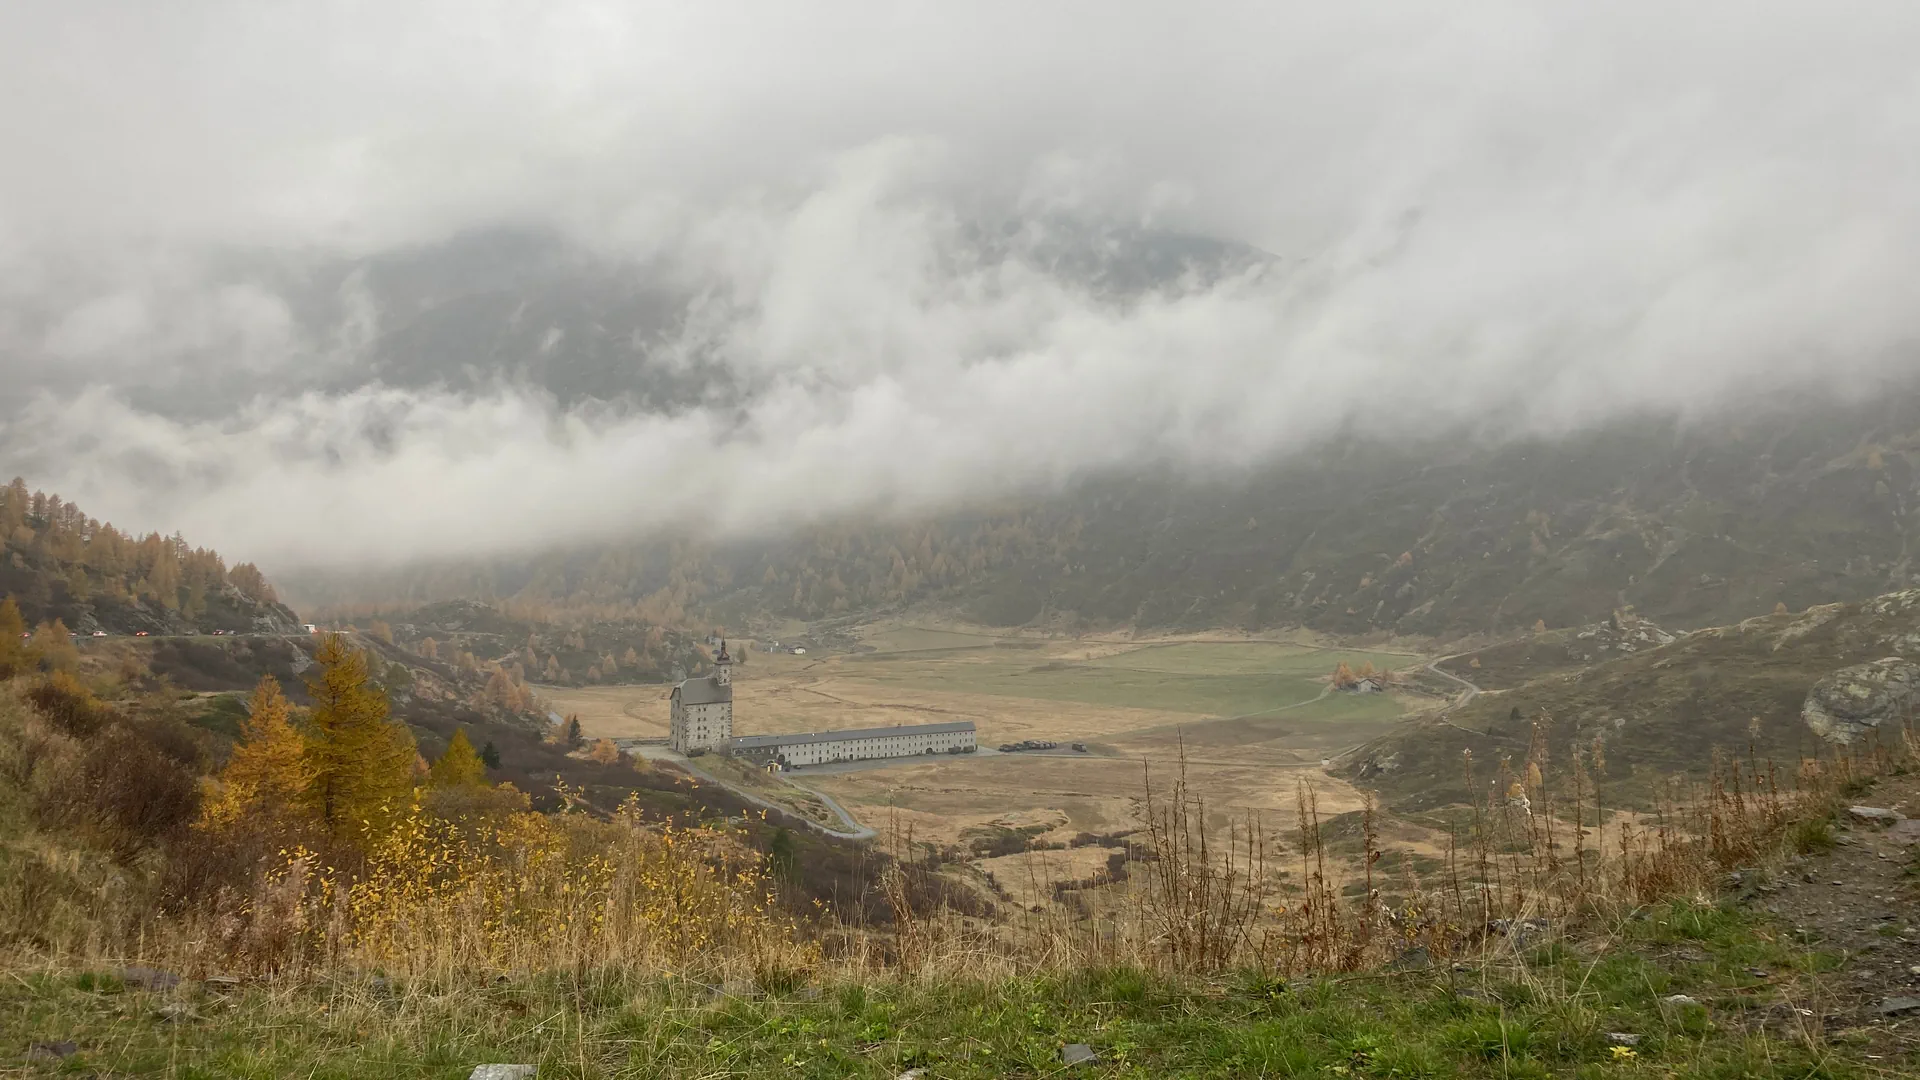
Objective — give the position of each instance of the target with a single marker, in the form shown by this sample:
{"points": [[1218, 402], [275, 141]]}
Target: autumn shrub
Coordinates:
{"points": [[69, 706], [440, 896], [124, 792]]}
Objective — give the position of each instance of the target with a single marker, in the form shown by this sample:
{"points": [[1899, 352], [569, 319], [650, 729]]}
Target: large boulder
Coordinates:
{"points": [[1852, 702]]}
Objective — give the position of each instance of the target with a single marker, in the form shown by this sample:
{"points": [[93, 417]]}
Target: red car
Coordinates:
{"points": [[139, 633]]}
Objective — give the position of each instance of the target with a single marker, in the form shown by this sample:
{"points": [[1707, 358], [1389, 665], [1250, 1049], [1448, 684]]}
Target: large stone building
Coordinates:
{"points": [[857, 744], [702, 714]]}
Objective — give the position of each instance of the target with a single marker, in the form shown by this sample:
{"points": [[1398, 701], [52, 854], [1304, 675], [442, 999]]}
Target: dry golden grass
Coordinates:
{"points": [[944, 797]]}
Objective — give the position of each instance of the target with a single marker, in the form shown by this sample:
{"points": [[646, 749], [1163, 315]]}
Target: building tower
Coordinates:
{"points": [[701, 717]]}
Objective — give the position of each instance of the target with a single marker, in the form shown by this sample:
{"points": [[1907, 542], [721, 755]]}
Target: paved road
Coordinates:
{"points": [[853, 831], [1467, 695], [859, 831]]}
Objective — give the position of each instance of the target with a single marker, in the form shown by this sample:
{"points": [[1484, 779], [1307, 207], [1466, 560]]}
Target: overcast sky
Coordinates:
{"points": [[1555, 213]]}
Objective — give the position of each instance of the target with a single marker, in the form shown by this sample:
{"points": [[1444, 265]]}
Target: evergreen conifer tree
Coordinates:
{"points": [[490, 755]]}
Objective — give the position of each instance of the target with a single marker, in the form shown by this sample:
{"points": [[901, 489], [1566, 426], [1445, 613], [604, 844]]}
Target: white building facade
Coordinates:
{"points": [[858, 744], [702, 712]]}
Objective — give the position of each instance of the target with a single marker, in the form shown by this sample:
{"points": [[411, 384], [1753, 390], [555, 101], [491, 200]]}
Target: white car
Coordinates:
{"points": [[99, 633]]}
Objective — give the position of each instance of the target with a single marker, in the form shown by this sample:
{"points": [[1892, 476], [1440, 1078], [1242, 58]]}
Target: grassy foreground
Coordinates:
{"points": [[1543, 1013]]}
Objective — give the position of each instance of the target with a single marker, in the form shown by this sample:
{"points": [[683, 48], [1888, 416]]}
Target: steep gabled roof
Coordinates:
{"points": [[705, 690]]}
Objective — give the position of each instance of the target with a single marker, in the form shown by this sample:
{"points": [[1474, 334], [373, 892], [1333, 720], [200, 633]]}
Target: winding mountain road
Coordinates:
{"points": [[1467, 694]]}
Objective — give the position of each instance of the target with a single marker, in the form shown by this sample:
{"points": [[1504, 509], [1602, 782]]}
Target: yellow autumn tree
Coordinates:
{"points": [[53, 647], [1343, 676], [362, 761], [13, 653], [267, 779], [605, 751], [459, 765]]}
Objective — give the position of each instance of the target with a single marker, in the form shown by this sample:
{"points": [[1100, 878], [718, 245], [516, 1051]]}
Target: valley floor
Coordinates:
{"points": [[1251, 718]]}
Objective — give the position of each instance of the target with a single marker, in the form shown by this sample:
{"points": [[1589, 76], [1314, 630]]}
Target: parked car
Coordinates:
{"points": [[99, 633], [139, 633]]}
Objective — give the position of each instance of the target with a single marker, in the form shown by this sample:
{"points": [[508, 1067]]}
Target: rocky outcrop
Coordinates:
{"points": [[1853, 702]]}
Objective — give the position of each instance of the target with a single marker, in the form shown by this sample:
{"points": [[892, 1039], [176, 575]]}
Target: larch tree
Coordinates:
{"points": [[605, 752], [271, 772], [53, 647], [362, 760], [13, 653], [459, 766]]}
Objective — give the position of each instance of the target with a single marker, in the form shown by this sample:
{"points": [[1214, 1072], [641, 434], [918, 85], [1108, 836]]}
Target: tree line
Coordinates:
{"points": [[94, 559]]}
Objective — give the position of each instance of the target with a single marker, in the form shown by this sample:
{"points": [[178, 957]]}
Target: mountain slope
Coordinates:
{"points": [[1693, 525], [1654, 711], [60, 564]]}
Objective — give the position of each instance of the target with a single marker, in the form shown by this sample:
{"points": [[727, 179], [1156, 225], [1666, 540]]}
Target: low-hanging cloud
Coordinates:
{"points": [[1532, 217]]}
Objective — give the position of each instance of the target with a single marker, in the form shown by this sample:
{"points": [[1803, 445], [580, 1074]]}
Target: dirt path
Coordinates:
{"points": [[1861, 901]]}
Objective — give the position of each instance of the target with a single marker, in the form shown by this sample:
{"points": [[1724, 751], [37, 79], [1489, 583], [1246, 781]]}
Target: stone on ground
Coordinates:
{"points": [[1856, 701]]}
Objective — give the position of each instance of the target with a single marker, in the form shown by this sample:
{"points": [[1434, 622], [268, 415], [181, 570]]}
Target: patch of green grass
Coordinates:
{"points": [[1227, 680], [1211, 695], [1812, 836], [1246, 658], [222, 714], [1547, 1017]]}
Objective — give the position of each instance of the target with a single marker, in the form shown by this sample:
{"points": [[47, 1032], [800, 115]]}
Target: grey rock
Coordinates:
{"points": [[175, 1012], [222, 983], [1076, 1054], [911, 1074], [146, 978], [1758, 973], [1679, 1000], [1622, 1038], [502, 1072], [1898, 1006], [1854, 701], [1905, 831], [1414, 959], [1875, 814], [52, 1051]]}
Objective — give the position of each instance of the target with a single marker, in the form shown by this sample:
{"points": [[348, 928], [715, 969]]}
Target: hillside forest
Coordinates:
{"points": [[60, 564]]}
